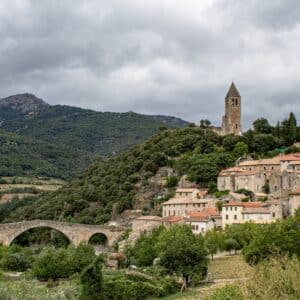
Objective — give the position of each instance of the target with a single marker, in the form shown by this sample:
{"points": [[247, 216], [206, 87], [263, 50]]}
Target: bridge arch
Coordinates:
{"points": [[76, 233], [19, 239], [98, 238]]}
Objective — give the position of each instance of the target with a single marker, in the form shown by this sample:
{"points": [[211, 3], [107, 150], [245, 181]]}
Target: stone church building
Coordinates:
{"points": [[231, 121]]}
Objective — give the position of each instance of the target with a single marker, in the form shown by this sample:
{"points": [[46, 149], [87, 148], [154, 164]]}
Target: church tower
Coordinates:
{"points": [[232, 119]]}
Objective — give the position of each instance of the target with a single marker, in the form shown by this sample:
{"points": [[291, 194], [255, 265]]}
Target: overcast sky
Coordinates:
{"points": [[174, 57]]}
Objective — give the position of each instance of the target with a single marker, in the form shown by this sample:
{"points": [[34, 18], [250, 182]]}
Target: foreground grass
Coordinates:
{"points": [[33, 290], [230, 267], [224, 270]]}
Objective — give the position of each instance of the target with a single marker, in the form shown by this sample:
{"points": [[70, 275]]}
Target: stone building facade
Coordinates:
{"points": [[294, 201], [256, 212]]}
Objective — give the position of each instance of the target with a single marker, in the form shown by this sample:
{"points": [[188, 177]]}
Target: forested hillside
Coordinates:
{"points": [[199, 153], [96, 133], [61, 140], [25, 156]]}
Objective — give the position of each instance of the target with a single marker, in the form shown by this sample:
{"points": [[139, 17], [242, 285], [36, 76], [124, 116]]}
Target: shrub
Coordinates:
{"points": [[16, 262], [53, 264], [172, 181], [82, 256], [229, 292], [92, 281]]}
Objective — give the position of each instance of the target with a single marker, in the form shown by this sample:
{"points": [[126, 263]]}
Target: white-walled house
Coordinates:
{"points": [[203, 221], [256, 212]]}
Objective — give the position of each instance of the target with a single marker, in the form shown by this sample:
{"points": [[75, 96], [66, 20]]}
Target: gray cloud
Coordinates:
{"points": [[157, 57]]}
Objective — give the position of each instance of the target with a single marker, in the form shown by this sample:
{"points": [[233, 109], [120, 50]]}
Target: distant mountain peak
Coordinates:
{"points": [[24, 103]]}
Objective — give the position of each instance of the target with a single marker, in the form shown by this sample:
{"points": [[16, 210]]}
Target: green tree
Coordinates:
{"points": [[92, 281], [231, 244], [144, 250], [262, 126], [82, 256], [214, 241], [290, 130], [204, 124], [53, 264], [240, 149], [183, 253]]}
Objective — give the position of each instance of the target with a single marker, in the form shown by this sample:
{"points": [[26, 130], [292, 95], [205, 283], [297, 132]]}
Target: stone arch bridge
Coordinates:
{"points": [[76, 233]]}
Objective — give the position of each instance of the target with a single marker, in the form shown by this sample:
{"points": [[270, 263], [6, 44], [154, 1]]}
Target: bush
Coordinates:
{"points": [[16, 262], [53, 264], [92, 281], [172, 181], [137, 287], [82, 256], [229, 292]]}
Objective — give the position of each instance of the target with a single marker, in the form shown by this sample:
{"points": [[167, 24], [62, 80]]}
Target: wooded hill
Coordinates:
{"points": [[74, 136], [199, 153]]}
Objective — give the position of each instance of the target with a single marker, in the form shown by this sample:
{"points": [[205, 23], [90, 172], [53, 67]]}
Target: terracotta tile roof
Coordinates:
{"points": [[256, 210], [203, 216], [231, 171], [244, 204], [290, 157], [206, 212], [202, 193], [183, 201], [296, 192], [149, 218], [269, 161], [172, 219]]}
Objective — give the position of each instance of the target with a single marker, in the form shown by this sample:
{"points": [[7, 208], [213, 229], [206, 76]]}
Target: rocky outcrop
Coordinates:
{"points": [[27, 104]]}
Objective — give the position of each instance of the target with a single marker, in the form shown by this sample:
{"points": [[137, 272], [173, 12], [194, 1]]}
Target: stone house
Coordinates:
{"points": [[145, 224], [281, 174], [257, 212], [203, 221], [191, 193], [234, 179], [294, 201], [172, 220]]}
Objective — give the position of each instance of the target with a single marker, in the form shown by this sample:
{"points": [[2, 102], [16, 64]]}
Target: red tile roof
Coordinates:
{"points": [[244, 204], [296, 192], [172, 219], [290, 157]]}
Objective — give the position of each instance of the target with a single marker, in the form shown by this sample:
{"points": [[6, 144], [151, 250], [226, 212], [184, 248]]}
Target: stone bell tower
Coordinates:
{"points": [[232, 120]]}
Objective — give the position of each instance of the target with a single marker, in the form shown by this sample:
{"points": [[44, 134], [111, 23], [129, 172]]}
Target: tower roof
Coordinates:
{"points": [[233, 91]]}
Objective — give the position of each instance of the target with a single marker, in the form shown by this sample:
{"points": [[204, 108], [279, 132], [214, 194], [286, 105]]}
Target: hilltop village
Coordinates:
{"points": [[259, 191]]}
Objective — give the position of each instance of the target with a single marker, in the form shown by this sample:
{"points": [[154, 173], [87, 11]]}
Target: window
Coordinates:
{"points": [[231, 208], [235, 208], [226, 217], [235, 217], [274, 215]]}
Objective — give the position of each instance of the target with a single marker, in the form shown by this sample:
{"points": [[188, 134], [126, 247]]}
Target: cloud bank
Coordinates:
{"points": [[172, 57]]}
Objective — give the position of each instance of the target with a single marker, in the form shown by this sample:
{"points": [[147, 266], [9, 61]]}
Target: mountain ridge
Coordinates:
{"points": [[85, 132]]}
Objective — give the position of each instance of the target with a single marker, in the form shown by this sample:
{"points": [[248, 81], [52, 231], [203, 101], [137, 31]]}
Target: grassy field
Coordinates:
{"points": [[224, 270]]}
